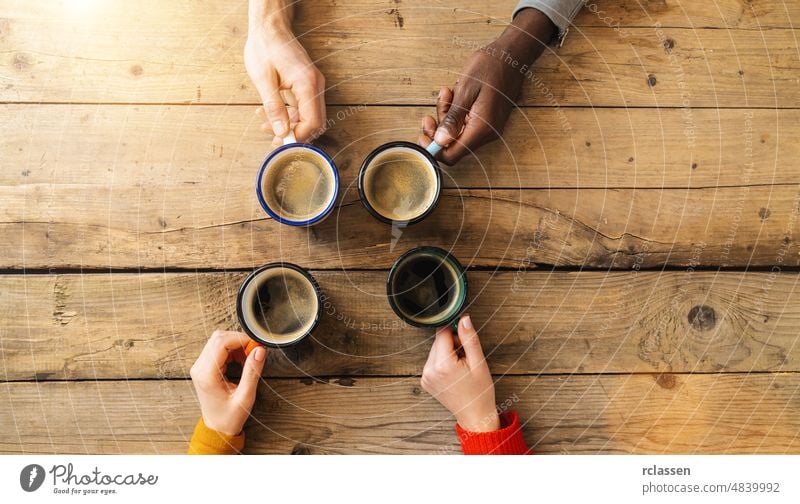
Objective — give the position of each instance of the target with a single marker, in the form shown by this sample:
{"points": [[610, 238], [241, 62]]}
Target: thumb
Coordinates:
{"points": [[251, 374], [470, 341], [452, 124], [273, 105]]}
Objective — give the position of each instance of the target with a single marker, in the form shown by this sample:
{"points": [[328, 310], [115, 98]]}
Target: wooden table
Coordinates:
{"points": [[633, 247]]}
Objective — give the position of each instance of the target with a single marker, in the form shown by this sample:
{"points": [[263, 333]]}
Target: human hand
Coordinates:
{"points": [[475, 112], [463, 384], [225, 405], [278, 65]]}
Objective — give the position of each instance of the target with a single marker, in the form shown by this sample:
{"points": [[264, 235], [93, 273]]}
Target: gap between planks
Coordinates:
{"points": [[324, 379], [387, 105], [504, 269]]}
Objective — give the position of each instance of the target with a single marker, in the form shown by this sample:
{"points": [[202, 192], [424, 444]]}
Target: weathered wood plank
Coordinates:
{"points": [[190, 226], [213, 147], [191, 53], [696, 72], [563, 414], [754, 14], [125, 326]]}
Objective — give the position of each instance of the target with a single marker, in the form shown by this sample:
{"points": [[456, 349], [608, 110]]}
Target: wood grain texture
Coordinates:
{"points": [[743, 14], [190, 52], [664, 413], [202, 226], [127, 326], [661, 133], [215, 146]]}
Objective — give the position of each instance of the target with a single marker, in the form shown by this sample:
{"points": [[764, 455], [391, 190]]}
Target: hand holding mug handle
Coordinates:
{"points": [[456, 374], [225, 405], [456, 340]]}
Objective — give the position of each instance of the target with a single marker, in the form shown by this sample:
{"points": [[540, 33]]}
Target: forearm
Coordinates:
{"points": [[272, 15], [527, 36]]}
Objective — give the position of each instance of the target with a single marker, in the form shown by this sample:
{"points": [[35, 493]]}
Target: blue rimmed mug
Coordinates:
{"points": [[297, 184]]}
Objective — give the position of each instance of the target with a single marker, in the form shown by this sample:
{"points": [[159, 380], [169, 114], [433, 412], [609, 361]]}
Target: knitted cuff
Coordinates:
{"points": [[207, 441], [506, 441]]}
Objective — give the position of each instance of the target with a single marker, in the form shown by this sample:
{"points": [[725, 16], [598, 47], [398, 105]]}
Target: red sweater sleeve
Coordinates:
{"points": [[506, 441]]}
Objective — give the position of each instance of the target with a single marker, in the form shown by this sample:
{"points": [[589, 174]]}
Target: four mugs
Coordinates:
{"points": [[399, 183]]}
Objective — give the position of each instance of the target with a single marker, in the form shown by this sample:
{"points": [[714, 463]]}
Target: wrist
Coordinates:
{"points": [[271, 29], [223, 428], [272, 17], [527, 35], [479, 422]]}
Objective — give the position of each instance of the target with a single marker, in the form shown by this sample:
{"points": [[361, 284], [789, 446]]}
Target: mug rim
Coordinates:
{"points": [[446, 256], [253, 274], [362, 173], [274, 215]]}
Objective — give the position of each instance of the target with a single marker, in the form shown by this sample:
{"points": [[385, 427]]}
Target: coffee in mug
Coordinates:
{"points": [[279, 304], [297, 184], [427, 287], [399, 183]]}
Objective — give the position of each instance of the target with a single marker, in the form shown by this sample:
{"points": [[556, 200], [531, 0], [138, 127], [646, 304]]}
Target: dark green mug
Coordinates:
{"points": [[427, 287]]}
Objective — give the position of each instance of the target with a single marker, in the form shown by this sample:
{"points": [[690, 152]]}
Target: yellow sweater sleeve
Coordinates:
{"points": [[206, 441]]}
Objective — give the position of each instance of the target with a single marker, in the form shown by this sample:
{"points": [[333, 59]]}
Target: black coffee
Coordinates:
{"points": [[280, 305], [425, 288], [275, 309]]}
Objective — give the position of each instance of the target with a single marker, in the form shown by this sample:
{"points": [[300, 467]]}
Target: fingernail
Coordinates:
{"points": [[279, 128], [466, 322], [260, 353]]}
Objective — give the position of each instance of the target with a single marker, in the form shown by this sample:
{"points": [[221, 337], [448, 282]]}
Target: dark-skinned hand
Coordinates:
{"points": [[475, 112]]}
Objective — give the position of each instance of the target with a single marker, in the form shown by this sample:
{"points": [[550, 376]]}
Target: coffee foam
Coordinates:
{"points": [[400, 184], [298, 184], [291, 305]]}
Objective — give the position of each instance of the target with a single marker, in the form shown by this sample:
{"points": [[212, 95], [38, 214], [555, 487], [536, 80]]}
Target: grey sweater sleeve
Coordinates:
{"points": [[560, 12]]}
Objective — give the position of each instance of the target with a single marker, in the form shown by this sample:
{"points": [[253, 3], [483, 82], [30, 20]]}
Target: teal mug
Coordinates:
{"points": [[427, 287]]}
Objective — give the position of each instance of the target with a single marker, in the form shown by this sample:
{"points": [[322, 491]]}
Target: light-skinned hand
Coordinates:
{"points": [[282, 72], [457, 375], [225, 405]]}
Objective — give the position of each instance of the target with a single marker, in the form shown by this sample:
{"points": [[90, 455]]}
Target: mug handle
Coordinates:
{"points": [[289, 138], [251, 345], [433, 148], [454, 325]]}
